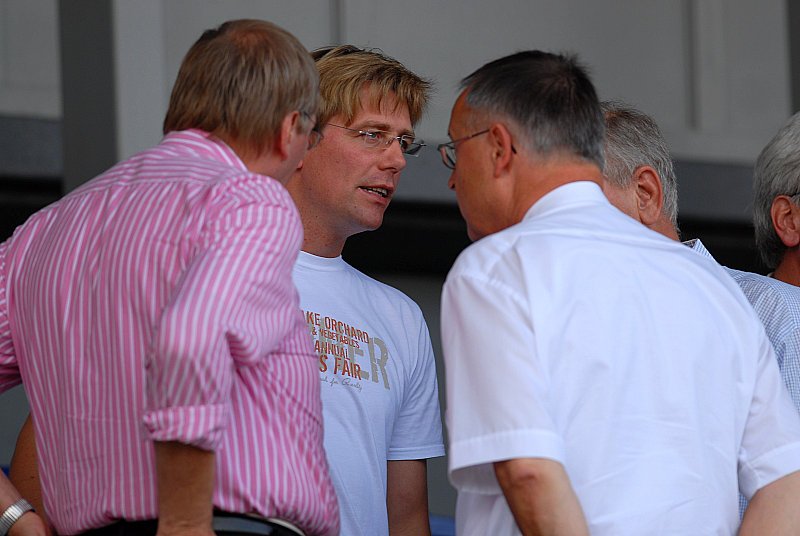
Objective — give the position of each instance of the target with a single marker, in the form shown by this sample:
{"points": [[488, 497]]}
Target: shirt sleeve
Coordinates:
{"points": [[233, 306], [497, 384], [417, 431], [9, 370], [771, 443]]}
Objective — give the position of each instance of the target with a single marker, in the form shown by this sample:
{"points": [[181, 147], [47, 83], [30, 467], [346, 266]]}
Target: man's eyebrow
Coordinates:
{"points": [[376, 125]]}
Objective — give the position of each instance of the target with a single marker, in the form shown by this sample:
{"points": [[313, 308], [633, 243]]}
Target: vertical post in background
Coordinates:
{"points": [[113, 82], [87, 88]]}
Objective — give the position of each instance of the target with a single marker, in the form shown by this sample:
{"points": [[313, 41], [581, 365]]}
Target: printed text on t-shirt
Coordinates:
{"points": [[343, 352]]}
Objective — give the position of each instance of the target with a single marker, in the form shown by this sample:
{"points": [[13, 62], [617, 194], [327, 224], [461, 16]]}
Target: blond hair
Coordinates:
{"points": [[345, 70], [239, 81]]}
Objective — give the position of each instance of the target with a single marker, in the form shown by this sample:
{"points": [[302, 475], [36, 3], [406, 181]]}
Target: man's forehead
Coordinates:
{"points": [[375, 108], [460, 113]]}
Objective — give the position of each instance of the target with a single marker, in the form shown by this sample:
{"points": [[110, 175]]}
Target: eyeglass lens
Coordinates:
{"points": [[448, 154]]}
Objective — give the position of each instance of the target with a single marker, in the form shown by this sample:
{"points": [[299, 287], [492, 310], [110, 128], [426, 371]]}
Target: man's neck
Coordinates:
{"points": [[323, 249], [665, 227], [547, 177], [788, 270], [318, 237]]}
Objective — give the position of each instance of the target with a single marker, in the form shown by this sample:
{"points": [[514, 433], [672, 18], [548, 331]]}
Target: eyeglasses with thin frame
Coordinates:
{"points": [[448, 150], [380, 138], [315, 134]]}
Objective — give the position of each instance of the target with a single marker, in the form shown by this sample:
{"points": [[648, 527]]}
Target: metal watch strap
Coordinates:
{"points": [[12, 514]]}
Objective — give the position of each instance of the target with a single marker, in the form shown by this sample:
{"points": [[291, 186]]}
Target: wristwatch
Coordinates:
{"points": [[12, 515]]}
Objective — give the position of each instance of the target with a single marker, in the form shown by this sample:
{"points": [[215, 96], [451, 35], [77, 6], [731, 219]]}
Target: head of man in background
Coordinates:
{"points": [[640, 177], [376, 363], [776, 208]]}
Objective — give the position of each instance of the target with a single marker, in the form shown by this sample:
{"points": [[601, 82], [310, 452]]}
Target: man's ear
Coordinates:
{"points": [[290, 127], [649, 194], [502, 147], [786, 220]]}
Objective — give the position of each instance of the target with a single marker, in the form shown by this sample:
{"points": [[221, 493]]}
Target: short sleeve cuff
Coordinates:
{"points": [[199, 426], [471, 459], [768, 468], [416, 453]]}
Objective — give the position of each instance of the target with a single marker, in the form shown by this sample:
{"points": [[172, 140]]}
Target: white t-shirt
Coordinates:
{"points": [[580, 336], [378, 378]]}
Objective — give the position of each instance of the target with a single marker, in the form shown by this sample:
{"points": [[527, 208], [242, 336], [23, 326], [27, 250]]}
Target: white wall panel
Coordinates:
{"points": [[185, 20], [714, 73], [141, 89]]}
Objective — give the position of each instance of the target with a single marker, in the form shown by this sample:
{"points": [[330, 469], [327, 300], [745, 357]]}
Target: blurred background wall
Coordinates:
{"points": [[85, 83]]}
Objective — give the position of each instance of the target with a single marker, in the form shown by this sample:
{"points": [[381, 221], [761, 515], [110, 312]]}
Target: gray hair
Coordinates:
{"points": [[633, 139], [548, 96], [777, 172]]}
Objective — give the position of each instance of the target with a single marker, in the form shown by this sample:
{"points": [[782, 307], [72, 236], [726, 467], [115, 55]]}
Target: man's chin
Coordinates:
{"points": [[365, 226]]}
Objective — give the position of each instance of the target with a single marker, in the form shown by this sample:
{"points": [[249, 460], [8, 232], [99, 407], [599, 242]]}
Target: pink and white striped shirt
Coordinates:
{"points": [[156, 302]]}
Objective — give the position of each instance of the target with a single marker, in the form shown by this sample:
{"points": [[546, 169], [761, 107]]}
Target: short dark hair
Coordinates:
{"points": [[240, 80], [549, 96]]}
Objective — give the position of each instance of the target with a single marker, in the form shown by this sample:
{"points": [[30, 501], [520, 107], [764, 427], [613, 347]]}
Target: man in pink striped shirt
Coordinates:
{"points": [[152, 318]]}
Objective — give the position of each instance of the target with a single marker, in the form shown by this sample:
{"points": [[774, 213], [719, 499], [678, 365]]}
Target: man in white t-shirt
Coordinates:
{"points": [[376, 364], [600, 378]]}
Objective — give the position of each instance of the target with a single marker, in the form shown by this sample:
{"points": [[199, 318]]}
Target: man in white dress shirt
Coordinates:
{"points": [[641, 182], [586, 392]]}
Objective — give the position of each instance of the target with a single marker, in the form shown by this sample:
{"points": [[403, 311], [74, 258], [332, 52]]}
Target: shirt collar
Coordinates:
{"points": [[309, 260], [698, 246], [202, 144], [567, 195]]}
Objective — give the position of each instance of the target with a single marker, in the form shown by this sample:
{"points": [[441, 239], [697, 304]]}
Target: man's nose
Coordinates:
{"points": [[393, 156]]}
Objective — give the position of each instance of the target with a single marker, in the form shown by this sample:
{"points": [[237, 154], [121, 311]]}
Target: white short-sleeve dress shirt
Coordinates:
{"points": [[580, 336]]}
